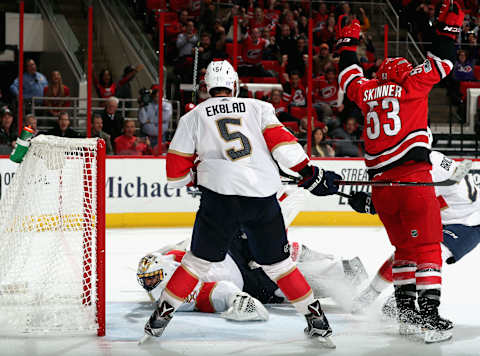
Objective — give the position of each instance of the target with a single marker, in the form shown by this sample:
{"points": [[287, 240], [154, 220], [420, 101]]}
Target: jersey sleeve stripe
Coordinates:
{"points": [[204, 298], [179, 169], [183, 154], [271, 127], [348, 74], [276, 135], [444, 66]]}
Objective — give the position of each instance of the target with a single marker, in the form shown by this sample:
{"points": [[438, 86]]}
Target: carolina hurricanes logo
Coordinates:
{"points": [[254, 53], [298, 97], [329, 91]]}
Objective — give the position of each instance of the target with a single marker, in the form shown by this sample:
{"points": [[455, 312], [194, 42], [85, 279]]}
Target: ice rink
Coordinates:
{"points": [[207, 334]]}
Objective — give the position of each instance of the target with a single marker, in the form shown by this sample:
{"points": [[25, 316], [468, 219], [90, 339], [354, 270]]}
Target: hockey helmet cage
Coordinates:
{"points": [[155, 269], [394, 70], [220, 74]]}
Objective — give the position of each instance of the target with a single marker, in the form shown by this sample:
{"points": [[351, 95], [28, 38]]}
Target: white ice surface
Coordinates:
{"points": [[207, 334]]}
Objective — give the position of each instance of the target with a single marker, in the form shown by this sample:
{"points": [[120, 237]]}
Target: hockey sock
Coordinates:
{"points": [[384, 276], [292, 283], [403, 272], [184, 280], [429, 275]]}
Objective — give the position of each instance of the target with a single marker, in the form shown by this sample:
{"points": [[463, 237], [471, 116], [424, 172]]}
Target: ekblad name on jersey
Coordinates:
{"points": [[459, 203], [234, 140], [395, 115]]}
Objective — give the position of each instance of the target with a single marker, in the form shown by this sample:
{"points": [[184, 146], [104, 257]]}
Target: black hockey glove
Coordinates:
{"points": [[318, 181], [362, 202]]}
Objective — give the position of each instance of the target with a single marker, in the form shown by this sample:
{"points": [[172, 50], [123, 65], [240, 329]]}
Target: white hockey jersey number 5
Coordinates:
{"points": [[391, 128], [232, 136]]}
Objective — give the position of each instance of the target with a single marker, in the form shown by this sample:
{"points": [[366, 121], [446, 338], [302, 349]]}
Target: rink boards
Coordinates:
{"points": [[137, 195]]}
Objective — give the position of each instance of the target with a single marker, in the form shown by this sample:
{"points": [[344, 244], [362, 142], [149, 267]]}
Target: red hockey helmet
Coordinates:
{"points": [[394, 69]]}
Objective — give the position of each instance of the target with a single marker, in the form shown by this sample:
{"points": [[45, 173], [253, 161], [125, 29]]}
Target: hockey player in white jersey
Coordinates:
{"points": [[237, 286], [235, 139], [460, 214]]}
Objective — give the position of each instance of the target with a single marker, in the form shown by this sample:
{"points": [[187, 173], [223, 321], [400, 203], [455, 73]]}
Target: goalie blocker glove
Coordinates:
{"points": [[318, 181], [450, 20], [362, 202]]}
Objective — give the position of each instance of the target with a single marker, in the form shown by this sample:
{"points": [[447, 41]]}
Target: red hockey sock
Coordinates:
{"points": [[385, 272], [429, 267], [181, 284], [296, 289]]}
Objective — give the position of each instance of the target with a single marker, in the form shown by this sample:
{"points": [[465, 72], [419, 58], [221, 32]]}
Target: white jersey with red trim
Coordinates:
{"points": [[395, 115], [234, 139], [459, 203]]}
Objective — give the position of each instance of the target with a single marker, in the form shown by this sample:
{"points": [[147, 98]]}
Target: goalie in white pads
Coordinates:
{"points": [[221, 290], [460, 214]]}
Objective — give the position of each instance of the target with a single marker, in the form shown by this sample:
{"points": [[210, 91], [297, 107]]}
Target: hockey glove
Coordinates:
{"points": [[362, 203], [320, 182], [349, 37], [450, 20]]}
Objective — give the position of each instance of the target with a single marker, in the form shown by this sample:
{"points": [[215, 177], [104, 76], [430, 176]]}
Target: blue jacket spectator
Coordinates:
{"points": [[148, 117], [33, 81], [463, 70]]}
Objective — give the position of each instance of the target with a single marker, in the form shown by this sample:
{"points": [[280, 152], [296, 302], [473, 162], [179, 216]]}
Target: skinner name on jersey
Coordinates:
{"points": [[392, 90], [227, 108]]}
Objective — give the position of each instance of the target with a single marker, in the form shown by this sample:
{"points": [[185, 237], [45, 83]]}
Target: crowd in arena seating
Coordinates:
{"points": [[272, 38]]}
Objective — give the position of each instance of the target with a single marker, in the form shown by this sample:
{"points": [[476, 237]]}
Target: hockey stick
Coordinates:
{"points": [[195, 69]]}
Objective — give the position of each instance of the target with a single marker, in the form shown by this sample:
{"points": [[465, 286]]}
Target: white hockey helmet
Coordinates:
{"points": [[155, 269], [220, 74]]}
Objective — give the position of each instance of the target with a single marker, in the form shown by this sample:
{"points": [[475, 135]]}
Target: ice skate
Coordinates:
{"points": [[389, 308], [317, 325], [436, 328]]}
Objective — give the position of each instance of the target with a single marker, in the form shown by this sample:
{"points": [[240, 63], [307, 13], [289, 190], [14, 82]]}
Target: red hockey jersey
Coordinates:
{"points": [[327, 92], [395, 115]]}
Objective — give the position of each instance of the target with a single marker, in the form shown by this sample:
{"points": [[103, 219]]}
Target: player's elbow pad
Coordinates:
{"points": [[284, 147]]}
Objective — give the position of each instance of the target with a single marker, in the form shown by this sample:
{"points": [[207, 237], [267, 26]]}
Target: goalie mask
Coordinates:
{"points": [[394, 70], [155, 269], [220, 74]]}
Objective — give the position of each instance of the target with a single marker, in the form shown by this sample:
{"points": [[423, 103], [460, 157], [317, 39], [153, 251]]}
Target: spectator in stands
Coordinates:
{"points": [[327, 99], [31, 120], [97, 131], [323, 60], [285, 40], [281, 107], [319, 147], [107, 87], [294, 92], [129, 144], [148, 117], [272, 51], [33, 82], [348, 135], [8, 132], [259, 21], [252, 51], [364, 21], [463, 70], [56, 89], [205, 51], [62, 127], [187, 40], [327, 34], [124, 90], [298, 59], [112, 119]]}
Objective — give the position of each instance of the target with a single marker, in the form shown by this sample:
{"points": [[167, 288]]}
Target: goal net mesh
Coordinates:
{"points": [[48, 240]]}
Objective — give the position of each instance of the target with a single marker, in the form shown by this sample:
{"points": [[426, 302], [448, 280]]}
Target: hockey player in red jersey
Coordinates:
{"points": [[395, 107], [235, 140]]}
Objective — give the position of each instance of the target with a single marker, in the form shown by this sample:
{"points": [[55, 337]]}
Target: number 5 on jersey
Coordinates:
{"points": [[232, 136], [390, 128]]}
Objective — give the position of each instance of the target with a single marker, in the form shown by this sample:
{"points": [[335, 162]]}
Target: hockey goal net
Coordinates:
{"points": [[52, 240]]}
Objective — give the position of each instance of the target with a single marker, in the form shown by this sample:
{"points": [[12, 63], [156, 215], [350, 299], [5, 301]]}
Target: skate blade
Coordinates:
{"points": [[434, 336], [325, 342], [144, 339]]}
